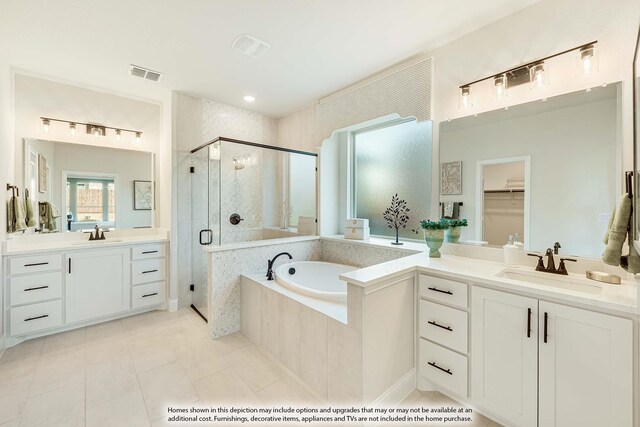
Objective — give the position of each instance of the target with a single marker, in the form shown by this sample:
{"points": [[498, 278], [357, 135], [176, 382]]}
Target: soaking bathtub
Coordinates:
{"points": [[315, 279]]}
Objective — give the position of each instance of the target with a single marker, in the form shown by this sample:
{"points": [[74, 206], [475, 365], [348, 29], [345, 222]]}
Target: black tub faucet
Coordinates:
{"points": [[270, 264]]}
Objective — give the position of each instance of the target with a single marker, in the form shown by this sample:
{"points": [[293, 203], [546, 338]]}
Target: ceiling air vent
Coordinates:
{"points": [[250, 46], [145, 73]]}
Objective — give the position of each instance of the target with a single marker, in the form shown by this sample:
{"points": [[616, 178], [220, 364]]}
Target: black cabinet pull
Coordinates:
{"points": [[448, 328], [69, 265], [35, 264], [448, 371], [528, 323], [37, 317], [149, 252], [36, 288], [149, 295], [149, 271], [441, 291], [546, 320]]}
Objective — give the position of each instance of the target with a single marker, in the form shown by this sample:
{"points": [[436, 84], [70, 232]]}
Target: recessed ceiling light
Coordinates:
{"points": [[249, 98]]}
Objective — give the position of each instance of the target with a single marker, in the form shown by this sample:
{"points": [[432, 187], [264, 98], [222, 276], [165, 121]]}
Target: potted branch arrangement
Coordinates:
{"points": [[396, 216], [434, 235], [452, 234]]}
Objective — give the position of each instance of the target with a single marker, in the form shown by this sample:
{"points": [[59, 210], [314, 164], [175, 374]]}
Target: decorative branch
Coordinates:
{"points": [[396, 214]]}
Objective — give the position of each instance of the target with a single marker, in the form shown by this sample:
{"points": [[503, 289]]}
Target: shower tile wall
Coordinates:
{"points": [[198, 121]]}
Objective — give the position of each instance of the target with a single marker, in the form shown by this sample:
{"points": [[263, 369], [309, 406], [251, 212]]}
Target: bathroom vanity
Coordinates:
{"points": [[520, 347], [58, 283]]}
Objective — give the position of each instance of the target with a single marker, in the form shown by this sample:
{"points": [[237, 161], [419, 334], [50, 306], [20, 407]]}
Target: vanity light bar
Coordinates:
{"points": [[92, 128], [585, 49]]}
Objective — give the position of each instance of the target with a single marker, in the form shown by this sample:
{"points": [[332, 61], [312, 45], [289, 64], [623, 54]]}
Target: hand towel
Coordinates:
{"points": [[10, 217], [15, 215], [29, 218], [447, 209], [631, 262], [48, 215], [617, 233]]}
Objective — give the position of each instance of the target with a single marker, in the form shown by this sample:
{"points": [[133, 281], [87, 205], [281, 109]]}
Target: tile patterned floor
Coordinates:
{"points": [[122, 373]]}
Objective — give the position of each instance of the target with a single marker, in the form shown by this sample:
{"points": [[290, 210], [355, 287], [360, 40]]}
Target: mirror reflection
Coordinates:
{"points": [[544, 170], [73, 187]]}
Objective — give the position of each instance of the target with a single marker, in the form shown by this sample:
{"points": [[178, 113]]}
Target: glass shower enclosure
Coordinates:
{"points": [[243, 191]]}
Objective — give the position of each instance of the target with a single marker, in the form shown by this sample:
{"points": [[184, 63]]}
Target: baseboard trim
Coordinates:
{"points": [[173, 305], [399, 391]]}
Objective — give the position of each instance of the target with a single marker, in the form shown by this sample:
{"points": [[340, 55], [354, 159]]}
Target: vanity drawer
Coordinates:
{"points": [[444, 367], [148, 270], [35, 317], [445, 325], [444, 290], [149, 294], [35, 288], [156, 250], [35, 263]]}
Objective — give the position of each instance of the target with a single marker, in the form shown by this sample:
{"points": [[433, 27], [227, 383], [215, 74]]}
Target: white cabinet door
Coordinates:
{"points": [[97, 283], [585, 368], [504, 355]]}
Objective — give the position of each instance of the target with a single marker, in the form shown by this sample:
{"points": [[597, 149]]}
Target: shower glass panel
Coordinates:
{"points": [[243, 191]]}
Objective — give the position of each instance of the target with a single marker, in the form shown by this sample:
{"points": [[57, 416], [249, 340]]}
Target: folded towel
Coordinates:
{"points": [[448, 209], [618, 231], [29, 218]]}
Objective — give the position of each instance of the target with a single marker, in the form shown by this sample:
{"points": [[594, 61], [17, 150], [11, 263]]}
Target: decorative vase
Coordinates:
{"points": [[452, 235], [434, 239]]}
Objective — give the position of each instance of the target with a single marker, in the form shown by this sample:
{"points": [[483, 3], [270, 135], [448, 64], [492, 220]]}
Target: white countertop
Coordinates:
{"points": [[621, 298], [27, 244]]}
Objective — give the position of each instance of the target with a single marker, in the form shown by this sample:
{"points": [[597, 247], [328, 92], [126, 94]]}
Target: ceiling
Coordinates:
{"points": [[318, 47]]}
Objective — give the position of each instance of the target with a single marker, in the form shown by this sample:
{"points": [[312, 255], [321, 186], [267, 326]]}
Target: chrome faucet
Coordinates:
{"points": [[99, 235], [270, 264], [551, 265]]}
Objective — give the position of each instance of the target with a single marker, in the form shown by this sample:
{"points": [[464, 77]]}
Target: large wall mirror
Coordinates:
{"points": [[547, 170], [74, 187]]}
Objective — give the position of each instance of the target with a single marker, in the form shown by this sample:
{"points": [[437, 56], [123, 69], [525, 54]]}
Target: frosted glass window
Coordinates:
{"points": [[390, 160]]}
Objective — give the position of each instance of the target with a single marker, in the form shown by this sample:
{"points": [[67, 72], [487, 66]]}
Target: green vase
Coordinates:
{"points": [[452, 235], [434, 239]]}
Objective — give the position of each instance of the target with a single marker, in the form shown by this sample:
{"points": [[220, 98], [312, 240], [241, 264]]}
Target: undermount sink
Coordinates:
{"points": [[570, 282], [96, 242]]}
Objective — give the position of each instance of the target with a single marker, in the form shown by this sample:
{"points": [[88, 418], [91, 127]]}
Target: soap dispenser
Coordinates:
{"points": [[517, 242], [510, 251]]}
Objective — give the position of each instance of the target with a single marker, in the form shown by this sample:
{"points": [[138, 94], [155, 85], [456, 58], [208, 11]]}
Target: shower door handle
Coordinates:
{"points": [[210, 238]]}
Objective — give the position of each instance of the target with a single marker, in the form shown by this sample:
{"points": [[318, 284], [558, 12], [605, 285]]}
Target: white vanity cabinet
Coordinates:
{"points": [[57, 290], [539, 363], [504, 354], [585, 367], [97, 283], [443, 330]]}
